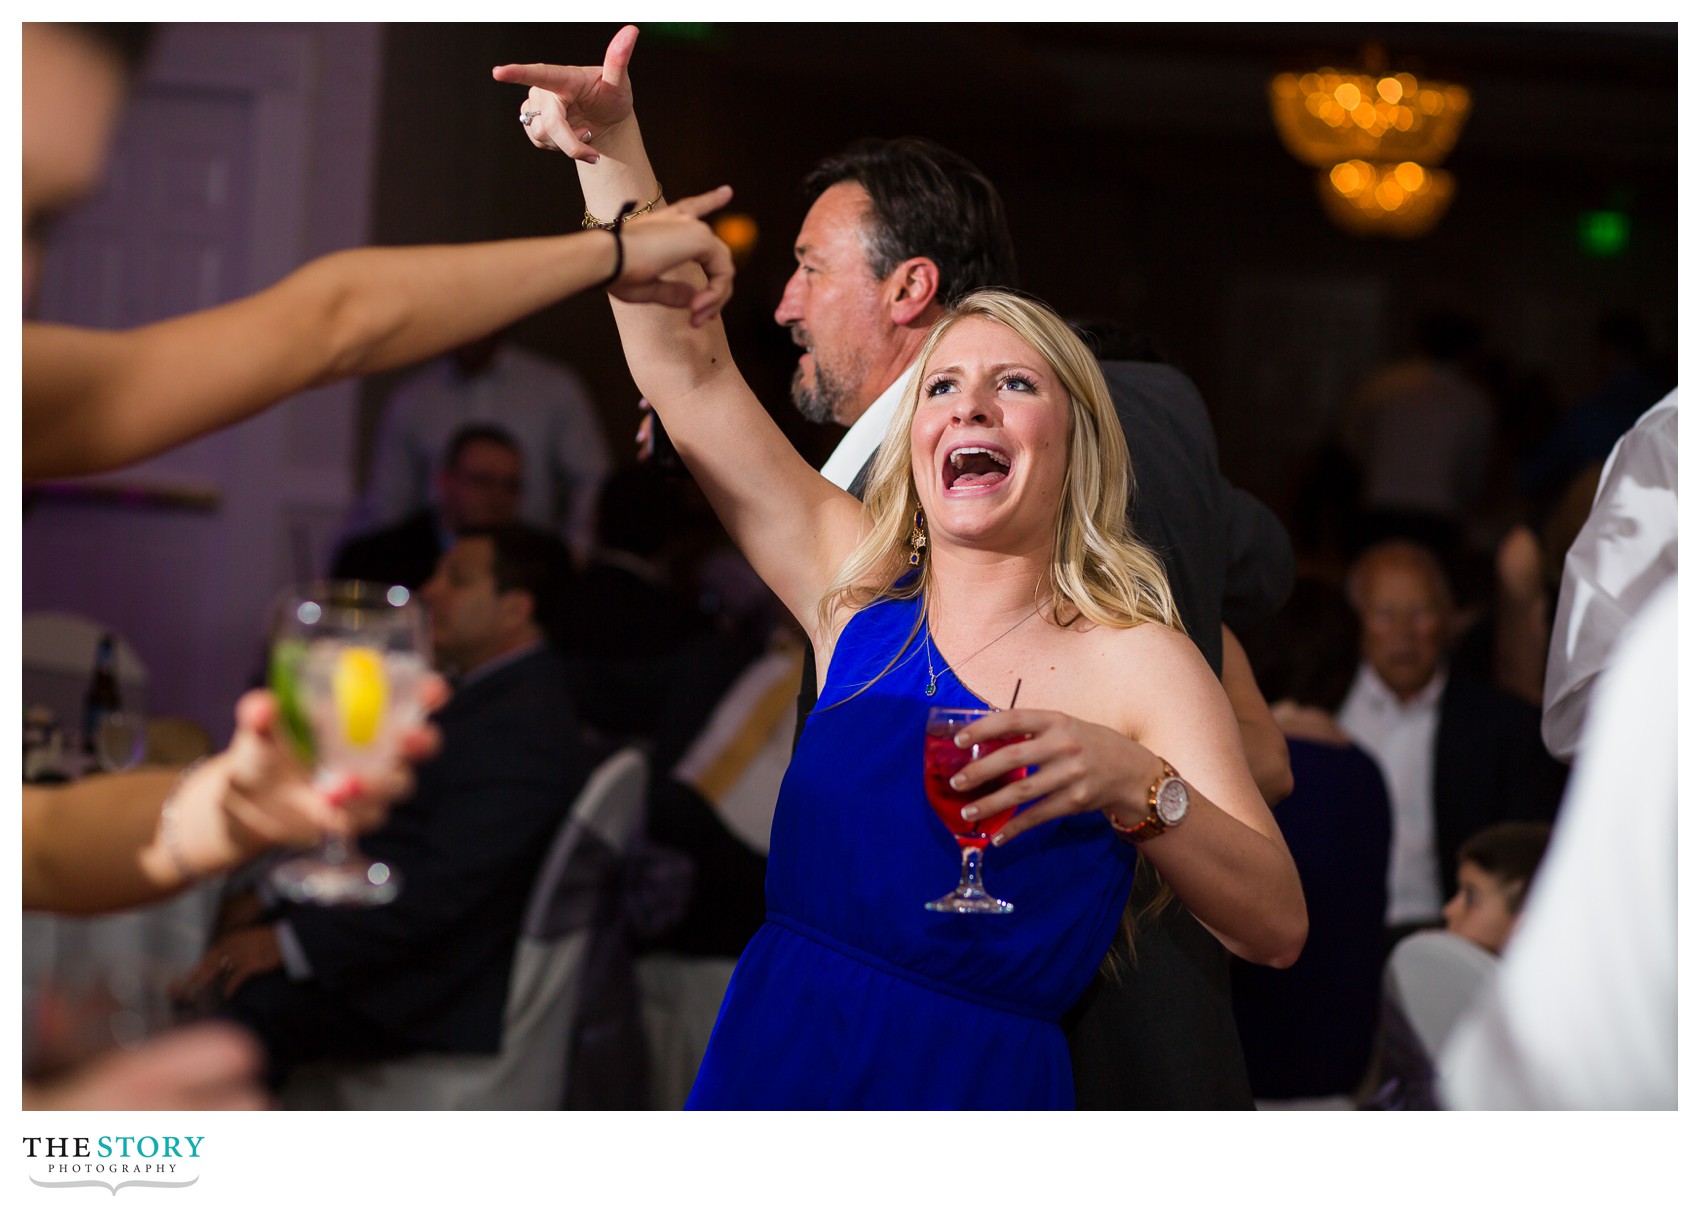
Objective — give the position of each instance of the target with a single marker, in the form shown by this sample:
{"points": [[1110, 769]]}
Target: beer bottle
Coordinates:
{"points": [[102, 697]]}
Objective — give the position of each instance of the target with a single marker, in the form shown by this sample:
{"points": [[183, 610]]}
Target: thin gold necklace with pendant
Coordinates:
{"points": [[926, 638]]}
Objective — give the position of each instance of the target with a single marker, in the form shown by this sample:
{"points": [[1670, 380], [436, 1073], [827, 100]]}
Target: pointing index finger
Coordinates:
{"points": [[537, 75], [699, 205]]}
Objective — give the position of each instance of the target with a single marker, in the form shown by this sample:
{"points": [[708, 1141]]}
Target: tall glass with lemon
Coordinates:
{"points": [[348, 664]]}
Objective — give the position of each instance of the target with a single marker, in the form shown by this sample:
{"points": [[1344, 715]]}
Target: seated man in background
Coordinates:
{"points": [[480, 485], [1457, 754], [493, 381], [430, 970]]}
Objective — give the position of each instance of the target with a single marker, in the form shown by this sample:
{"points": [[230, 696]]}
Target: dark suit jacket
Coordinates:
{"points": [[629, 642], [1228, 557], [432, 966], [1163, 1036], [403, 554], [1489, 766]]}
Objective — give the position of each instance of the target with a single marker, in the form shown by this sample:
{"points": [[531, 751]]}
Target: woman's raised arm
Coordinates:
{"points": [[794, 527]]}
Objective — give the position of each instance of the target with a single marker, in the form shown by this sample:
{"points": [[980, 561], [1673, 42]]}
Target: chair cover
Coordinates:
{"points": [[547, 986], [1432, 977]]}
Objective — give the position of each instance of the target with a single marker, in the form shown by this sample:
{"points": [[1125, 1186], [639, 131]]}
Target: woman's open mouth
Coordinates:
{"points": [[975, 467]]}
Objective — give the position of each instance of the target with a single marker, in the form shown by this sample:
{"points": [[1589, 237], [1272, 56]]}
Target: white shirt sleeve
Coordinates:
{"points": [[1582, 1014], [1625, 550]]}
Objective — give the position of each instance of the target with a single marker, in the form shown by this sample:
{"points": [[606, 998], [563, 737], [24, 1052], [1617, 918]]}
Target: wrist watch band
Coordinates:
{"points": [[1167, 804]]}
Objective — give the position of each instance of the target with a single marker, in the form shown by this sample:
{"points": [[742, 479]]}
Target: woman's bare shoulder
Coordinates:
{"points": [[1144, 668], [1153, 644]]}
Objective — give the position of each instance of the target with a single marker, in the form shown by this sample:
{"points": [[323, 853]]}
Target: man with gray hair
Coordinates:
{"points": [[1458, 754]]}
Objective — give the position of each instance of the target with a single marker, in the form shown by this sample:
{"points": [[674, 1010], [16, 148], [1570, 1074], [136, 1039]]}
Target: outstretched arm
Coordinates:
{"points": [[794, 527], [104, 843], [98, 400]]}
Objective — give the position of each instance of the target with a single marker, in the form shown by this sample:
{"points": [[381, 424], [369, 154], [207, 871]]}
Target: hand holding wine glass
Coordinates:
{"points": [[349, 670], [1061, 765], [943, 761], [270, 795]]}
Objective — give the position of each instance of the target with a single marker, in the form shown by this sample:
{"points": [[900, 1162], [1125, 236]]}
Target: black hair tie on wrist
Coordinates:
{"points": [[613, 229]]}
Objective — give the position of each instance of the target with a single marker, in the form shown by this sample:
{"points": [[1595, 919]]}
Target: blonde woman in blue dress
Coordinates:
{"points": [[1006, 457]]}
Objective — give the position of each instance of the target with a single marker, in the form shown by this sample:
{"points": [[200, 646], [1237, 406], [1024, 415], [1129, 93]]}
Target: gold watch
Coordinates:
{"points": [[1167, 802]]}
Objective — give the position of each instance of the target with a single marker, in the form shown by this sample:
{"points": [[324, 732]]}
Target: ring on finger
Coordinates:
{"points": [[526, 115]]}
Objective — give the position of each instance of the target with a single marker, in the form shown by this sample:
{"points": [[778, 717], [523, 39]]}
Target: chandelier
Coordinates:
{"points": [[1377, 140]]}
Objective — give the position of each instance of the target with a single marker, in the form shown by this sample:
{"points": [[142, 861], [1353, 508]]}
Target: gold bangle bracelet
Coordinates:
{"points": [[591, 222]]}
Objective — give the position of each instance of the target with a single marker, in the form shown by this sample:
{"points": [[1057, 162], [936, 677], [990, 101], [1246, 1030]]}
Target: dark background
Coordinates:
{"points": [[1143, 178]]}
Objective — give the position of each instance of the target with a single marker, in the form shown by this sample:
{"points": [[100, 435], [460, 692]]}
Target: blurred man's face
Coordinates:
{"points": [[836, 310], [483, 487], [72, 91], [1404, 624], [463, 605]]}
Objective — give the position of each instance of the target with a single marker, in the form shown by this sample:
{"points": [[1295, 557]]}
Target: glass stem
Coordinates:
{"points": [[335, 850], [971, 856]]}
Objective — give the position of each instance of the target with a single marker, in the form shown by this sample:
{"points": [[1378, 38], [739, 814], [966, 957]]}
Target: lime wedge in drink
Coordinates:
{"points": [[288, 658], [362, 694]]}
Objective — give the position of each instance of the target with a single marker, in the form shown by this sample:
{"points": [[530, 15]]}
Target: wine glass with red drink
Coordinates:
{"points": [[942, 759]]}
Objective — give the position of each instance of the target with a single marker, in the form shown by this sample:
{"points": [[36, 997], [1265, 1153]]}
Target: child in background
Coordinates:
{"points": [[1428, 985], [1494, 870]]}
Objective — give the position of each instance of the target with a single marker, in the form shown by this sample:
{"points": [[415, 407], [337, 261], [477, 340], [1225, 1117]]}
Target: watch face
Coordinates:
{"points": [[1171, 801]]}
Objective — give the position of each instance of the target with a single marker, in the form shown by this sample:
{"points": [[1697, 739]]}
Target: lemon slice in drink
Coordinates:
{"points": [[362, 694]]}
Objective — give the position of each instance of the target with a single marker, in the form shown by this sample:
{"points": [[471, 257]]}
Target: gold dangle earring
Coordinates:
{"points": [[917, 537]]}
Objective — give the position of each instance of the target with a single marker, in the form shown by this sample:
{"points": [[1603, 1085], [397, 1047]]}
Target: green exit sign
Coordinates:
{"points": [[1603, 233]]}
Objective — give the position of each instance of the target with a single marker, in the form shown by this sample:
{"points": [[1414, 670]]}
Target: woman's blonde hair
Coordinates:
{"points": [[1098, 569]]}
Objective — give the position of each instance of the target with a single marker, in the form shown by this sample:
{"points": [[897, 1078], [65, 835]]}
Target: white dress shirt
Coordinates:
{"points": [[1582, 1014], [544, 405], [1400, 736], [865, 436], [1625, 550]]}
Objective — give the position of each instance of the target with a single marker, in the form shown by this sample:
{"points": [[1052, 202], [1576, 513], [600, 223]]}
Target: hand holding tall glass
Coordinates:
{"points": [[348, 666], [943, 758]]}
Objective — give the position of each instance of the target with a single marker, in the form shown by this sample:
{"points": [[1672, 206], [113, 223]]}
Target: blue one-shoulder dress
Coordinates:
{"points": [[852, 995]]}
